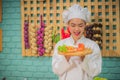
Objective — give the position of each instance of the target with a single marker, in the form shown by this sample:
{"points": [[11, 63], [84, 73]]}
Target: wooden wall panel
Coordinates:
{"points": [[106, 12]]}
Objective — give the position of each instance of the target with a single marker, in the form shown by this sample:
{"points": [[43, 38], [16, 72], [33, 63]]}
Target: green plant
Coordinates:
{"points": [[100, 78], [55, 38]]}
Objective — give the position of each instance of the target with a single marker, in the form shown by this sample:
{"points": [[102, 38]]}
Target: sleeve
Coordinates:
{"points": [[59, 63], [92, 63]]}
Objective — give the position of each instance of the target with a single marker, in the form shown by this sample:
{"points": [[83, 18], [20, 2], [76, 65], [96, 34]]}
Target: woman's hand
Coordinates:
{"points": [[82, 57], [67, 57]]}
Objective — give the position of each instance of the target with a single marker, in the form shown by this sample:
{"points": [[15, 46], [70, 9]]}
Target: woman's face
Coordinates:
{"points": [[76, 27]]}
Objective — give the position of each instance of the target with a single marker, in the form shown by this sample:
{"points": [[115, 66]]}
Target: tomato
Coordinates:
{"points": [[81, 47]]}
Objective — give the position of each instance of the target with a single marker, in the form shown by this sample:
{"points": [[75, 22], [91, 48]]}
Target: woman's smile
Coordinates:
{"points": [[77, 33]]}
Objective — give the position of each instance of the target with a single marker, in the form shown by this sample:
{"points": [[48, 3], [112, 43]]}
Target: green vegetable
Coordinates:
{"points": [[99, 78], [62, 48], [55, 38]]}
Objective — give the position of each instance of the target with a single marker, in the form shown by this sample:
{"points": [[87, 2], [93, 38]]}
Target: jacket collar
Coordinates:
{"points": [[79, 41]]}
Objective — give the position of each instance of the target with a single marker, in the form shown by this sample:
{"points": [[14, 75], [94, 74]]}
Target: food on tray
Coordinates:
{"points": [[81, 47], [74, 51]]}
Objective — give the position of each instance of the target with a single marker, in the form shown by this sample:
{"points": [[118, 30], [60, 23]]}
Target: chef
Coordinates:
{"points": [[77, 67]]}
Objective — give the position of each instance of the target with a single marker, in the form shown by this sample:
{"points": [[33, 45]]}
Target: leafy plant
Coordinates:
{"points": [[99, 78], [55, 38]]}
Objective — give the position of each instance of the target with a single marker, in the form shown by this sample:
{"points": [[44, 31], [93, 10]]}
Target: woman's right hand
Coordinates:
{"points": [[67, 57]]}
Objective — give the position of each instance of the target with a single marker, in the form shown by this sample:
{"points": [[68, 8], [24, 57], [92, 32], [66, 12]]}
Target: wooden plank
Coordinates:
{"points": [[103, 29], [89, 5], [111, 31], [0, 39], [118, 26], [41, 7], [28, 17], [105, 38], [35, 11], [22, 28], [54, 15], [110, 37], [48, 12], [96, 12], [59, 22], [81, 2], [34, 6], [48, 23], [61, 18]]}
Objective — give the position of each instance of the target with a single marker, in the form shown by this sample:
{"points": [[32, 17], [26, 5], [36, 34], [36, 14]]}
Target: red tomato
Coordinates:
{"points": [[81, 47]]}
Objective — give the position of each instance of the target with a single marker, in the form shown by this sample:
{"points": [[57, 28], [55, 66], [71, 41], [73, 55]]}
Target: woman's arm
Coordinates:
{"points": [[59, 63], [92, 63]]}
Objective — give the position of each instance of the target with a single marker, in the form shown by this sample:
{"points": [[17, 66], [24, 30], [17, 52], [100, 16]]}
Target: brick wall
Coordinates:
{"points": [[111, 68], [15, 67]]}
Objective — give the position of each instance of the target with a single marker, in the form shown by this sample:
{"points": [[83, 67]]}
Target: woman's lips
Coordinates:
{"points": [[77, 33]]}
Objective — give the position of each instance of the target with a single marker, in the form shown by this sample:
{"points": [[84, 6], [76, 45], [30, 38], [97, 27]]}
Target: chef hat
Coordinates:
{"points": [[76, 11]]}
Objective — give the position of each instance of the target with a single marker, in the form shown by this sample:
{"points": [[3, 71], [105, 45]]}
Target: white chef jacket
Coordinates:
{"points": [[75, 68]]}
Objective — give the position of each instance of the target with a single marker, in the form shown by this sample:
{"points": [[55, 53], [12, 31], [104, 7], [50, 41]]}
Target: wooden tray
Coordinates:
{"points": [[77, 53]]}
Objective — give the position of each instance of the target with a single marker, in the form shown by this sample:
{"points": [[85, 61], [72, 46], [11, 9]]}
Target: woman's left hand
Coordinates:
{"points": [[82, 57], [67, 57]]}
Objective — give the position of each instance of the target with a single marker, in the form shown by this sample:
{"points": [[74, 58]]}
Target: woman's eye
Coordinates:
{"points": [[80, 25], [72, 25]]}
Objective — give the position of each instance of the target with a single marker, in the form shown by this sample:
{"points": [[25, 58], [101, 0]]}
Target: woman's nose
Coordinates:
{"points": [[76, 28]]}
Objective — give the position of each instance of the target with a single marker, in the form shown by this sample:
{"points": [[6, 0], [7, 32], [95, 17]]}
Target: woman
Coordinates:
{"points": [[77, 67]]}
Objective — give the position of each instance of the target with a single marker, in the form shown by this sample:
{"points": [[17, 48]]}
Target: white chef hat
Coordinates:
{"points": [[76, 11]]}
